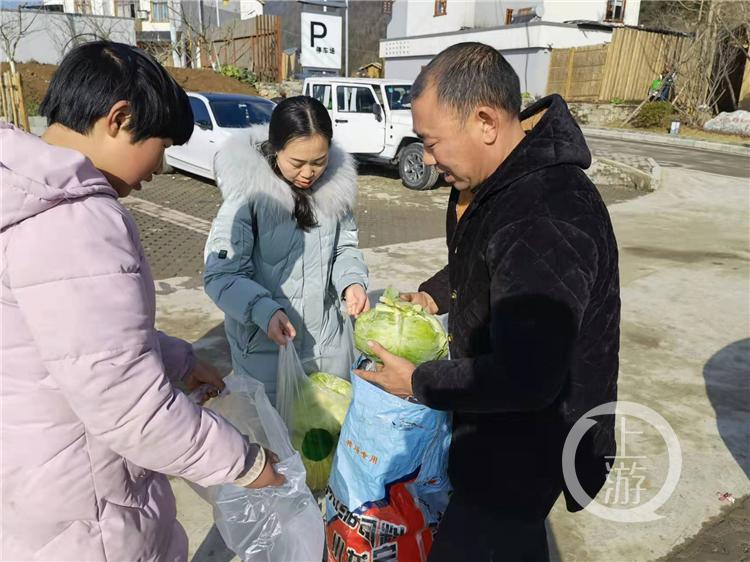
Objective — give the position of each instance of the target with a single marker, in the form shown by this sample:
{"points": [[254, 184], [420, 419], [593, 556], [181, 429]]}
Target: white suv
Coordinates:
{"points": [[372, 120]]}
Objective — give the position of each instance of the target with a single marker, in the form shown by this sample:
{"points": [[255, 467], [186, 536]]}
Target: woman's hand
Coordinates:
{"points": [[356, 300], [422, 299], [280, 329]]}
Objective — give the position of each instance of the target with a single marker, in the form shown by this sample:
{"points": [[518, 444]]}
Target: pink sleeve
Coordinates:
{"points": [[177, 355], [84, 299]]}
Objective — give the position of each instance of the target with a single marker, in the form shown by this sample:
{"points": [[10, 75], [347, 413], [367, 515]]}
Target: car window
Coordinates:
{"points": [[322, 93], [200, 112], [241, 114], [399, 97], [354, 99]]}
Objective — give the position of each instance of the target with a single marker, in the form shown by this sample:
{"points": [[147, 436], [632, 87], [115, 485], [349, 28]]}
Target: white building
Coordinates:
{"points": [[525, 31], [155, 15]]}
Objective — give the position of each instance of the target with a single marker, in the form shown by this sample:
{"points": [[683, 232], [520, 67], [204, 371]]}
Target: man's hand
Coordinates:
{"points": [[269, 476], [203, 373], [394, 375], [356, 300], [280, 329], [423, 299]]}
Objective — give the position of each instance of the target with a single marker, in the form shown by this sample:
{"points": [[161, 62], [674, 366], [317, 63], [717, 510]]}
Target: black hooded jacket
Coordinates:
{"points": [[532, 287]]}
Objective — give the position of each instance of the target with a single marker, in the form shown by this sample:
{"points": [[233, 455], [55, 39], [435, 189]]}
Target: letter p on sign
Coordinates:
{"points": [[321, 41]]}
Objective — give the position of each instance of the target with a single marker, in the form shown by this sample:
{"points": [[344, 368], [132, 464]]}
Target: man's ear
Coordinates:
{"points": [[118, 118], [490, 120]]}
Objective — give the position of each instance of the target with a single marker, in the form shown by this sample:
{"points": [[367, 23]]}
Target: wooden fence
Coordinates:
{"points": [[11, 96], [622, 69], [253, 44], [576, 74]]}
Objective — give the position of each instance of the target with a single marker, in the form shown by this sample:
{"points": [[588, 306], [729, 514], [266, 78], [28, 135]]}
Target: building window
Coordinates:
{"points": [[125, 8], [159, 11], [441, 7], [615, 10], [388, 7], [82, 7]]}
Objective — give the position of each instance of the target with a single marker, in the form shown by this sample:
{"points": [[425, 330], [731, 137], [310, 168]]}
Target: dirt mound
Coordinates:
{"points": [[204, 80], [36, 78]]}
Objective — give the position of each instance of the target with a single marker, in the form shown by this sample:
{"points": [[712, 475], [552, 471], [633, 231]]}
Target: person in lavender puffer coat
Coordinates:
{"points": [[91, 423]]}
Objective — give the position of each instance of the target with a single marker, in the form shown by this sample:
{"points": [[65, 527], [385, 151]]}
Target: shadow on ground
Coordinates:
{"points": [[727, 378]]}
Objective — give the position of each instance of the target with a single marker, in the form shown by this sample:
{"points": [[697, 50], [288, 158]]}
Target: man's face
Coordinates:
{"points": [[455, 148]]}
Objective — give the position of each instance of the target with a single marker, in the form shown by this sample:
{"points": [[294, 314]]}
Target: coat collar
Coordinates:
{"points": [[244, 175]]}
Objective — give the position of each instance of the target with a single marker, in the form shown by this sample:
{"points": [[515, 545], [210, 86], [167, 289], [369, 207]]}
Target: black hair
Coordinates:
{"points": [[468, 75], [295, 117], [94, 76]]}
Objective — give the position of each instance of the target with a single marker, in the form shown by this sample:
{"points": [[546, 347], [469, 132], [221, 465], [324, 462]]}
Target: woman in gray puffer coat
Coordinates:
{"points": [[282, 253]]}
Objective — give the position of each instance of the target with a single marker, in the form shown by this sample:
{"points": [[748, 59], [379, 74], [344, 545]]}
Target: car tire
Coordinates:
{"points": [[412, 170]]}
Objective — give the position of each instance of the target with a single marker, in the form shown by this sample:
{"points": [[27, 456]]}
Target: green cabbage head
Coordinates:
{"points": [[403, 328], [318, 415]]}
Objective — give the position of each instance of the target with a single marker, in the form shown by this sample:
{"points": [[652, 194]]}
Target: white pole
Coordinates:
{"points": [[218, 18], [346, 39]]}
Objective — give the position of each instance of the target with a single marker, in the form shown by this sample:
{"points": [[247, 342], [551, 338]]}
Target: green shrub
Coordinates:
{"points": [[617, 101], [241, 74], [654, 114], [32, 108]]}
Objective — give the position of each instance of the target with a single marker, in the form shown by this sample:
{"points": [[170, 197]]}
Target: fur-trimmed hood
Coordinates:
{"points": [[244, 174]]}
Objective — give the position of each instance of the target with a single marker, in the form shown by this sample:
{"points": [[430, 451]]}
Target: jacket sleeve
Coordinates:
{"points": [[228, 276], [348, 264], [438, 287], [542, 273], [177, 355], [90, 314]]}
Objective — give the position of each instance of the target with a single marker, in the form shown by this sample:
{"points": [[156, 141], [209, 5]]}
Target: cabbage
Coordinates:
{"points": [[318, 415], [403, 328]]}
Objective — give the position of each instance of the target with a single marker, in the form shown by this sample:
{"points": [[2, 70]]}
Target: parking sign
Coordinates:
{"points": [[321, 41]]}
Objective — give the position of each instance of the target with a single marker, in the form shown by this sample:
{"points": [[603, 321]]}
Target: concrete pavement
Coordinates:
{"points": [[666, 154], [685, 265], [668, 140]]}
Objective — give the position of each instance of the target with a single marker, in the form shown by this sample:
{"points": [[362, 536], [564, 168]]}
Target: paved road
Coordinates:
{"points": [[675, 156]]}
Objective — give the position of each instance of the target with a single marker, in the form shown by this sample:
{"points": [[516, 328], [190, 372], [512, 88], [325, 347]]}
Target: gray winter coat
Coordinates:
{"points": [[259, 261]]}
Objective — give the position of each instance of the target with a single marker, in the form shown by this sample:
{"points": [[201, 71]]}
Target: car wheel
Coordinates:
{"points": [[413, 171]]}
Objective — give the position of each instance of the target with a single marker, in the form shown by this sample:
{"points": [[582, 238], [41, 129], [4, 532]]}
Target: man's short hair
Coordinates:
{"points": [[469, 75], [95, 76]]}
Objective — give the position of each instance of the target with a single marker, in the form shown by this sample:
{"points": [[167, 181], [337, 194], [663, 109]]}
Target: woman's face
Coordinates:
{"points": [[303, 160]]}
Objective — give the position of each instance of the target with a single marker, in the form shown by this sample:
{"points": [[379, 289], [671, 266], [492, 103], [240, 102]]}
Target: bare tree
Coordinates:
{"points": [[704, 69], [14, 26]]}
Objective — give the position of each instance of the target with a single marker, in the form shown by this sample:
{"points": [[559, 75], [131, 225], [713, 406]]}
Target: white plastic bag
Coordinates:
{"points": [[314, 408], [274, 524]]}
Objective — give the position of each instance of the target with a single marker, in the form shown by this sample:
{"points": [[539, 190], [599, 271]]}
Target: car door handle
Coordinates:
{"points": [[342, 120]]}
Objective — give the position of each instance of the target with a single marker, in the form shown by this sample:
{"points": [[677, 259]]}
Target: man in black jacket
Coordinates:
{"points": [[532, 289]]}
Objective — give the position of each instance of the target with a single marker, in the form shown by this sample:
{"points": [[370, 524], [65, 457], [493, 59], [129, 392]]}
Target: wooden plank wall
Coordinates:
{"points": [[11, 100], [634, 59], [253, 44], [622, 69]]}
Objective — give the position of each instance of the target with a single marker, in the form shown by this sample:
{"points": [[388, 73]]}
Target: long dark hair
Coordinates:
{"points": [[299, 116]]}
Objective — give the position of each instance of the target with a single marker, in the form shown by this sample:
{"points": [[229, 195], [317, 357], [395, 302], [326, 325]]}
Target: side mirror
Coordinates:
{"points": [[205, 125], [378, 111]]}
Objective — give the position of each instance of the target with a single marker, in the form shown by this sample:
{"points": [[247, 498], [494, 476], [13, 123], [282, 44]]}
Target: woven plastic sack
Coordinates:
{"points": [[389, 486]]}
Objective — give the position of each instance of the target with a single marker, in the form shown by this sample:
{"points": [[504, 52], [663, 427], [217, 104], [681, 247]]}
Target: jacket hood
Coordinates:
{"points": [[36, 176], [243, 174], [555, 140]]}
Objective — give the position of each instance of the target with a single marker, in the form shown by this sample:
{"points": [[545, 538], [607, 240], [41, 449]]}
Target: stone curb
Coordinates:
{"points": [[640, 180], [619, 134]]}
